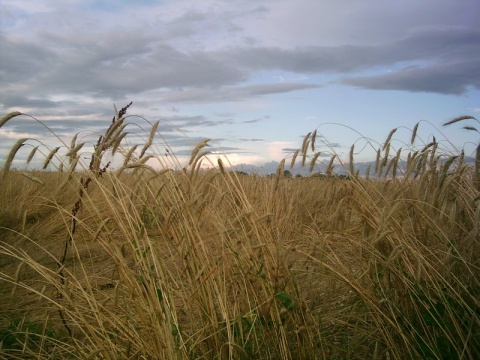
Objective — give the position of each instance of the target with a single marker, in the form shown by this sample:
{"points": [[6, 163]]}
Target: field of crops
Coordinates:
{"points": [[139, 262]]}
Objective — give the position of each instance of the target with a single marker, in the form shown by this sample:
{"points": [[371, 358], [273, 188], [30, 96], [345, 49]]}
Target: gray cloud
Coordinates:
{"points": [[59, 127], [451, 78], [186, 122], [168, 126], [333, 145], [225, 114], [215, 150], [432, 46], [14, 100], [115, 63], [20, 59], [253, 140], [230, 93], [253, 121]]}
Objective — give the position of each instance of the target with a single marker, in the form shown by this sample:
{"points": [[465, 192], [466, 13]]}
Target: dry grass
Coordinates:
{"points": [[217, 265]]}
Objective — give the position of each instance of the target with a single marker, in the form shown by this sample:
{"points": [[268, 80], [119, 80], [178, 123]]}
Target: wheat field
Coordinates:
{"points": [[145, 262]]}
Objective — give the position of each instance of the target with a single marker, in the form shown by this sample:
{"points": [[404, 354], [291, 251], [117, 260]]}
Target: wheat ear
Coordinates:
{"points": [[459, 118], [11, 156], [150, 138], [414, 133], [8, 117]]}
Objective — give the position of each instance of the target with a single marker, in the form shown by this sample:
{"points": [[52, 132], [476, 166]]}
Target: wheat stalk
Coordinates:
{"points": [[129, 155], [150, 138], [33, 178], [197, 148], [414, 133], [330, 165], [294, 158], [50, 157], [389, 138], [32, 154], [118, 141], [9, 116], [476, 175], [459, 118], [221, 166], [314, 159], [377, 161], [305, 145], [11, 156], [314, 137], [351, 160]]}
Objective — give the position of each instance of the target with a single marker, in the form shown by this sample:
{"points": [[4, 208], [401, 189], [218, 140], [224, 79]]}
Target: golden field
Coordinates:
{"points": [[142, 263]]}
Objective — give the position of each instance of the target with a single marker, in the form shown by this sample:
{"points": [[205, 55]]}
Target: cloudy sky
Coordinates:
{"points": [[254, 76]]}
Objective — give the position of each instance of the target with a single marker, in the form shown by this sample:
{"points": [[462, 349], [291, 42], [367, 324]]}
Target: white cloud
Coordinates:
{"points": [[11, 134], [233, 159], [274, 149]]}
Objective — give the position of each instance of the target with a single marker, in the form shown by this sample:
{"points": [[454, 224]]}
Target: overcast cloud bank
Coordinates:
{"points": [[68, 62]]}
